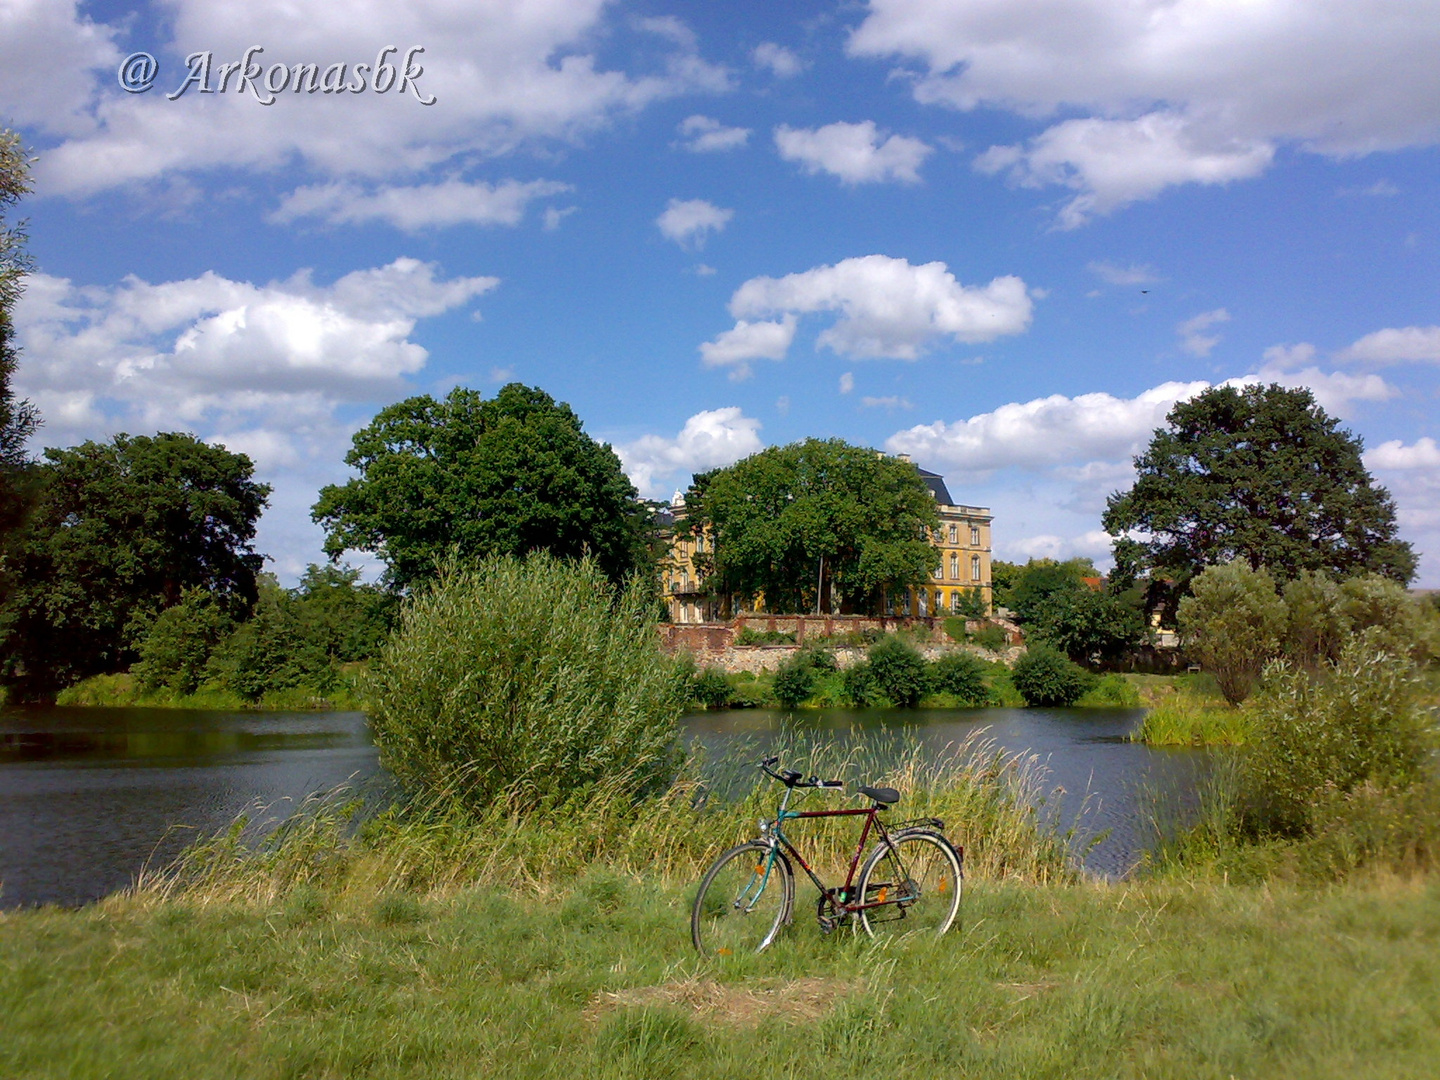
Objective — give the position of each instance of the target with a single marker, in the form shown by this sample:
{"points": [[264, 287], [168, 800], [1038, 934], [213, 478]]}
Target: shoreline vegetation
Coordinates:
{"points": [[514, 908]]}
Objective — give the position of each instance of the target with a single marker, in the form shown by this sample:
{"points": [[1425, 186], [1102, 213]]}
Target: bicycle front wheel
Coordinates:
{"points": [[744, 900], [910, 885]]}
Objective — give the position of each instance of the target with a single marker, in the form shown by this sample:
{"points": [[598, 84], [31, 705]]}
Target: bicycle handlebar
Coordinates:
{"points": [[790, 778]]}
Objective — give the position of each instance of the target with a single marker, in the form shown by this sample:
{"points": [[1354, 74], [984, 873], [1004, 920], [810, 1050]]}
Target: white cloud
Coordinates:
{"points": [[453, 202], [209, 351], [889, 403], [889, 308], [1383, 189], [1424, 454], [1049, 431], [748, 341], [706, 135], [777, 59], [1095, 543], [1287, 357], [1410, 344], [689, 221], [847, 382], [52, 61], [1134, 274], [709, 440], [555, 215], [856, 153], [1193, 338], [504, 75], [1202, 90], [1116, 162]]}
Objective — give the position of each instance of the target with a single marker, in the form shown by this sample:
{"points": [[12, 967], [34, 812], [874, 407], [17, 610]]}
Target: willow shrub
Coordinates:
{"points": [[1317, 737], [531, 680]]}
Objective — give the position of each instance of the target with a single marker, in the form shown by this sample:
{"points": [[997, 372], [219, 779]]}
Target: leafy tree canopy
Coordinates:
{"points": [[119, 532], [1258, 473], [819, 515], [18, 418], [503, 476]]}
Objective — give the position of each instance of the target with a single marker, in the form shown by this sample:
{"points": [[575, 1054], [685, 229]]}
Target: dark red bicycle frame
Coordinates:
{"points": [[871, 818]]}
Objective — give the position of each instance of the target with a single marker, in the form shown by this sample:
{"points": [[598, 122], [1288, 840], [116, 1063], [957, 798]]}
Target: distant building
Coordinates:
{"points": [[963, 540]]}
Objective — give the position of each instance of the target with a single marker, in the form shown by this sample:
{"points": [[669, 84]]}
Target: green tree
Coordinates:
{"points": [[503, 476], [961, 675], [180, 642], [1044, 677], [272, 650], [1258, 473], [347, 618], [815, 524], [1087, 625], [1031, 587], [18, 418], [119, 532], [899, 671], [1233, 623]]}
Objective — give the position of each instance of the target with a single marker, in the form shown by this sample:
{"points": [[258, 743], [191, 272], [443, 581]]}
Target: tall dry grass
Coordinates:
{"points": [[991, 803]]}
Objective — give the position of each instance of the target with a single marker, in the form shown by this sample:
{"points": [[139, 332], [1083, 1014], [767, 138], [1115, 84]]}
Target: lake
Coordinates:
{"points": [[88, 796]]}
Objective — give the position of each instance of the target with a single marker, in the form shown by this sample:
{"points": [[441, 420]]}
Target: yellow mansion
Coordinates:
{"points": [[963, 541]]}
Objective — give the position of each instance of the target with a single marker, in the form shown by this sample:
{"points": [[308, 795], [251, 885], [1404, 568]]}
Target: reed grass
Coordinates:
{"points": [[1188, 721], [992, 803]]}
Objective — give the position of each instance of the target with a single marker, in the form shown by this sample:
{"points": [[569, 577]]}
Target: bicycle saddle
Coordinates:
{"points": [[886, 795]]}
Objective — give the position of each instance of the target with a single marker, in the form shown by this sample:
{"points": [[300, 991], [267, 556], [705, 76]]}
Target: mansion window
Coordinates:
{"points": [[954, 534], [974, 536], [974, 567], [954, 567]]}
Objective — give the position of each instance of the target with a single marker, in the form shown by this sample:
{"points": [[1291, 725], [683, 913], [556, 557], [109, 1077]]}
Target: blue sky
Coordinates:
{"points": [[1004, 237]]}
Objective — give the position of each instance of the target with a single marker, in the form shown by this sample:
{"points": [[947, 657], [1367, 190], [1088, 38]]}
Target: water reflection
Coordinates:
{"points": [[87, 796]]}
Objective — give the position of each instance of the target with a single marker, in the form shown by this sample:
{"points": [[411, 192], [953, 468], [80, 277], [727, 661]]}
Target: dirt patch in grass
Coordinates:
{"points": [[793, 1000]]}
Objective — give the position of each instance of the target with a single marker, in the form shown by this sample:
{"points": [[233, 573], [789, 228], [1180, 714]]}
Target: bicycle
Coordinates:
{"points": [[911, 880]]}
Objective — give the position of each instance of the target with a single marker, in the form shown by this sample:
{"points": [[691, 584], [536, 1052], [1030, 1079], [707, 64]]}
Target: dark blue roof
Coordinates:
{"points": [[936, 483]]}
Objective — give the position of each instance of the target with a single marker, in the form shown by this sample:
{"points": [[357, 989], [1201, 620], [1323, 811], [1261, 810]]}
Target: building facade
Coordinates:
{"points": [[960, 583]]}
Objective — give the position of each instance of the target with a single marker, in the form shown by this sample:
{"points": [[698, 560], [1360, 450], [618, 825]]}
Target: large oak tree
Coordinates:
{"points": [[119, 532], [1258, 473], [815, 522], [501, 476]]}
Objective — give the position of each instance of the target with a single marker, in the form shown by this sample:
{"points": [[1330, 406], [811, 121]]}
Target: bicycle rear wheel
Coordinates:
{"points": [[744, 900], [915, 879]]}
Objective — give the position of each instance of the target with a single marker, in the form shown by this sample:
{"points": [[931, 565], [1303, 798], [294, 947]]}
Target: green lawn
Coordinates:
{"points": [[1141, 980]]}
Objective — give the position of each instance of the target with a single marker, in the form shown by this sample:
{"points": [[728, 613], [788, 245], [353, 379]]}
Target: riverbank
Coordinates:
{"points": [[597, 979], [124, 691]]}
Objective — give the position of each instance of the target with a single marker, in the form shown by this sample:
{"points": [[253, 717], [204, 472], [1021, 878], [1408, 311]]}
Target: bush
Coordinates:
{"points": [[955, 629], [861, 689], [746, 636], [1045, 677], [710, 688], [793, 682], [1232, 624], [1319, 736], [1112, 691], [271, 651], [991, 637], [529, 679], [899, 670], [962, 676], [180, 641]]}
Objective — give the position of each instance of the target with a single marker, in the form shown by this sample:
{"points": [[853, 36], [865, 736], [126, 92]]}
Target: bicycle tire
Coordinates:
{"points": [[739, 908], [929, 871]]}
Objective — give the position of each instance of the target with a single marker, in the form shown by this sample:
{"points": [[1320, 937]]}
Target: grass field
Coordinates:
{"points": [[598, 979]]}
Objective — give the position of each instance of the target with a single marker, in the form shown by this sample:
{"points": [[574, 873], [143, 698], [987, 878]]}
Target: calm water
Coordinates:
{"points": [[88, 796]]}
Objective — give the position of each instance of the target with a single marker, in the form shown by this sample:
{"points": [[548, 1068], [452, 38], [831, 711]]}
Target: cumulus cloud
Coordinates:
{"points": [[706, 135], [886, 306], [1113, 163], [777, 59], [52, 63], [1423, 454], [856, 153], [453, 202], [689, 221], [847, 382], [1410, 344], [735, 348], [1172, 91], [1193, 338], [709, 440], [1049, 431], [504, 76], [212, 351]]}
